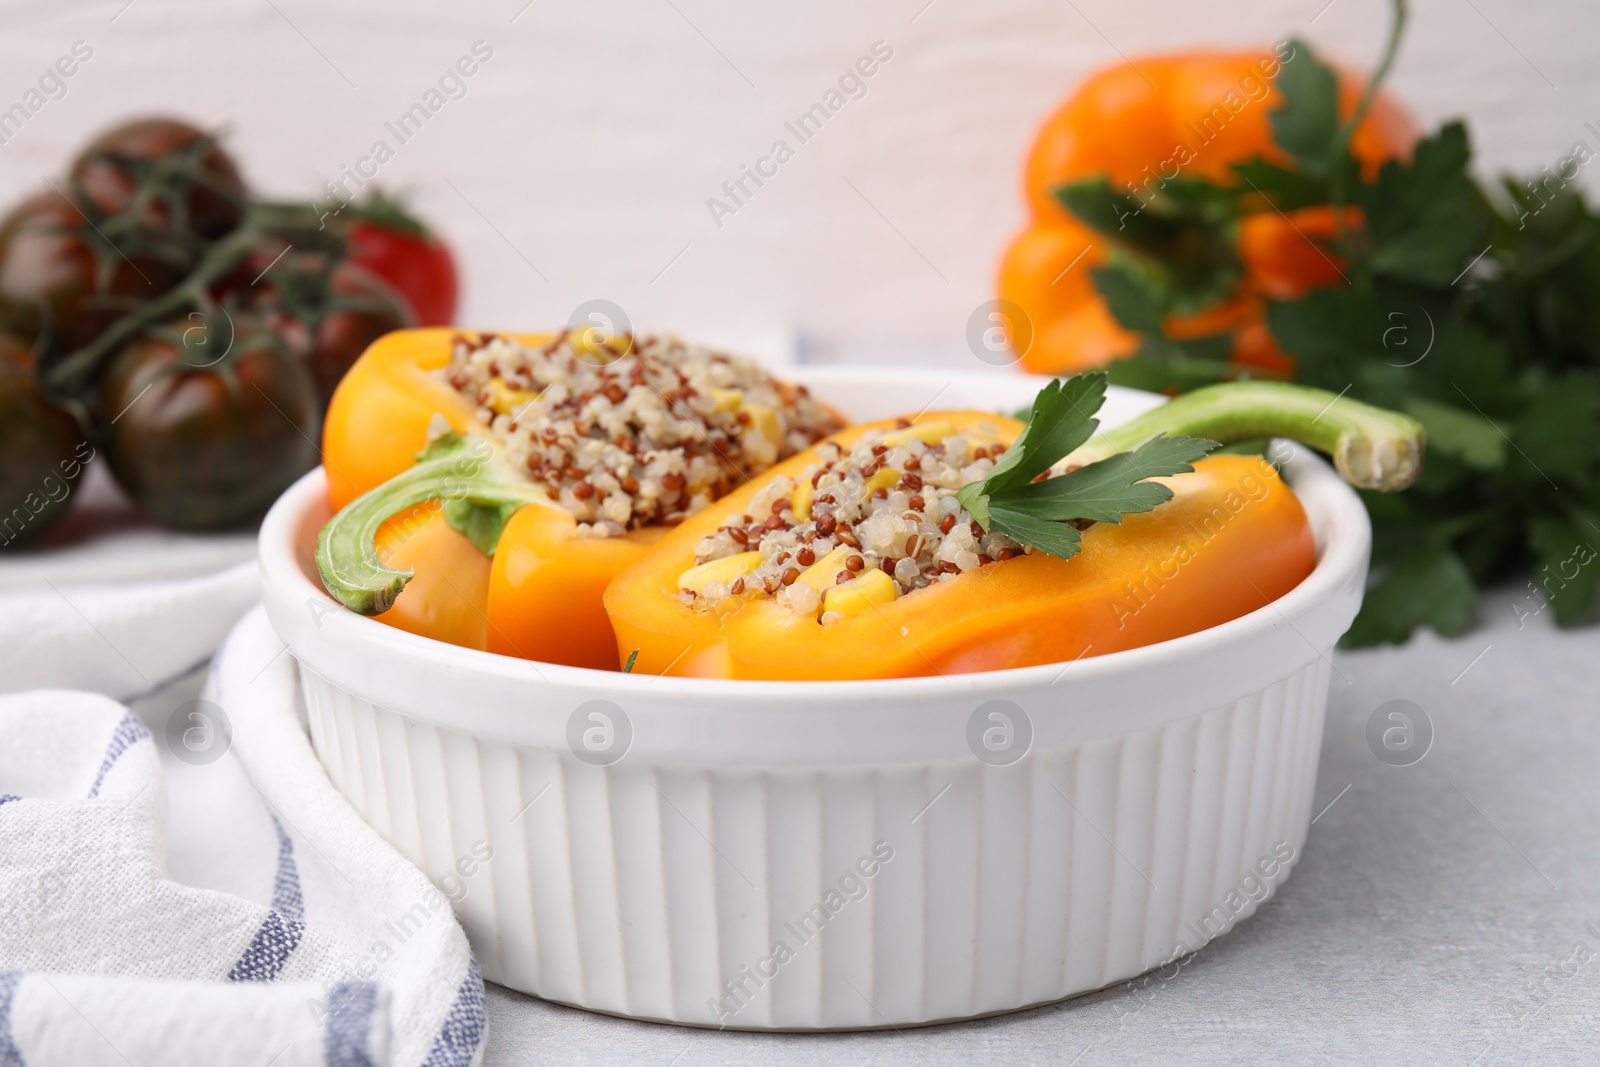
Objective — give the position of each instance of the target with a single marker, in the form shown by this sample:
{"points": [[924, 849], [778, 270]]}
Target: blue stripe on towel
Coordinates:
{"points": [[462, 1032], [128, 732], [281, 931], [10, 1055], [286, 898], [275, 941], [350, 1007], [6, 798]]}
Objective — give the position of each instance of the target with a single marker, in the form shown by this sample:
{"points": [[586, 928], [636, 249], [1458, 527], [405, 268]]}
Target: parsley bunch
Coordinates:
{"points": [[1472, 309]]}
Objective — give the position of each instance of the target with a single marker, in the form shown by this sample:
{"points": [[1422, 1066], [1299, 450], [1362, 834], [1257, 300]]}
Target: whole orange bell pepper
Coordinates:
{"points": [[1231, 538], [533, 590], [1191, 115]]}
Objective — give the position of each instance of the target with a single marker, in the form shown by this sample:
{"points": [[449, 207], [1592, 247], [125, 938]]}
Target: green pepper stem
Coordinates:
{"points": [[451, 468], [1372, 448]]}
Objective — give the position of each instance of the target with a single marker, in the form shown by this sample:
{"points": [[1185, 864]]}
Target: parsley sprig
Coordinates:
{"points": [[1044, 513], [1470, 307], [1107, 475]]}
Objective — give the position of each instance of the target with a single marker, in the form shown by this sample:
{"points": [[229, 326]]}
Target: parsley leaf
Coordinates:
{"points": [[1280, 188], [1424, 589], [1305, 123], [1056, 538], [1159, 364], [1550, 430], [1042, 513], [1138, 302], [1134, 302], [1422, 218], [1179, 236], [1062, 419], [1115, 214], [1565, 571], [1107, 490]]}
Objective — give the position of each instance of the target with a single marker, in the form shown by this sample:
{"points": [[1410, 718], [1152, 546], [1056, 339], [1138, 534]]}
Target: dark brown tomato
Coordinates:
{"points": [[58, 276], [252, 283], [205, 447], [363, 308], [43, 450], [189, 181], [329, 312]]}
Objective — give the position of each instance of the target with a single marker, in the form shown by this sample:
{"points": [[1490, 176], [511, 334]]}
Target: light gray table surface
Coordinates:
{"points": [[1444, 912]]}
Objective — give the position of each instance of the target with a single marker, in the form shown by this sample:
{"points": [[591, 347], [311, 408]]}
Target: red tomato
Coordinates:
{"points": [[414, 262]]}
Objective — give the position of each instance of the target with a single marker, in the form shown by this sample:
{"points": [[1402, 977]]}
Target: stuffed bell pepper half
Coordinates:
{"points": [[487, 487], [967, 541]]}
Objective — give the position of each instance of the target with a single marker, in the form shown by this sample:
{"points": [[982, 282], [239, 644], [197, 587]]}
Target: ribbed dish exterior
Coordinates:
{"points": [[664, 890]]}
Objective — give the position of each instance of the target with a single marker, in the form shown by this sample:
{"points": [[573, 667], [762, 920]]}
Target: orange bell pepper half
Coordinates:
{"points": [[538, 596], [1157, 575], [379, 416], [447, 598], [546, 585], [1226, 536], [377, 422]]}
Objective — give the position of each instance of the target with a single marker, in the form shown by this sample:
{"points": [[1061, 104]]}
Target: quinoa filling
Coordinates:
{"points": [[638, 431], [856, 529]]}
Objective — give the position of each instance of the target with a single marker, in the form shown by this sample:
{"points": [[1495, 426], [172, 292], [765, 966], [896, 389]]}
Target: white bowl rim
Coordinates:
{"points": [[1341, 559]]}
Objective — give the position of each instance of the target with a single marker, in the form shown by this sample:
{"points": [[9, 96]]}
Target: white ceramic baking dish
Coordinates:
{"points": [[779, 855]]}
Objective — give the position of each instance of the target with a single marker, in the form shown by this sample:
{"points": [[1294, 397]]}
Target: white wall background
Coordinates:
{"points": [[585, 149]]}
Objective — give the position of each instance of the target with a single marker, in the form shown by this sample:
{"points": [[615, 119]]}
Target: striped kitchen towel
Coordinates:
{"points": [[120, 638], [186, 887]]}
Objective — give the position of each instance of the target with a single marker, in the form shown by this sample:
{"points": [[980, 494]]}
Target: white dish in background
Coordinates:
{"points": [[1157, 781]]}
